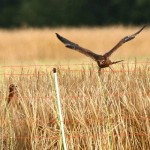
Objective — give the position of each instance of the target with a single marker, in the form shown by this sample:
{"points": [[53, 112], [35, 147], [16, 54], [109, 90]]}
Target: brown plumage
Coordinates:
{"points": [[12, 92], [102, 60]]}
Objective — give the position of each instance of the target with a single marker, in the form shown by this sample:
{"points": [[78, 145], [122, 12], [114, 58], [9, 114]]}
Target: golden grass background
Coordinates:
{"points": [[41, 45], [110, 111]]}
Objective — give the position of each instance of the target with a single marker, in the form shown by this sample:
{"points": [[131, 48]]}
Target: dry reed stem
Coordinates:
{"points": [[110, 112]]}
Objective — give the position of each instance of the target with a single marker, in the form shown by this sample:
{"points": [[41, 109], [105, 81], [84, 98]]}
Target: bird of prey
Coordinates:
{"points": [[12, 92], [102, 60]]}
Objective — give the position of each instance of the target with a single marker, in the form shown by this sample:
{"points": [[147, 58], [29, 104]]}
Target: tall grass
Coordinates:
{"points": [[39, 45], [110, 111]]}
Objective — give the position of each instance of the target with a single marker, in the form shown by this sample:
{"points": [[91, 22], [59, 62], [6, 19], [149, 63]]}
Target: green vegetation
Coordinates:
{"points": [[18, 13]]}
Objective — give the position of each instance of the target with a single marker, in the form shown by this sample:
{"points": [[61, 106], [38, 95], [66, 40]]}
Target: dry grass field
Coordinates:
{"points": [[41, 45], [101, 112]]}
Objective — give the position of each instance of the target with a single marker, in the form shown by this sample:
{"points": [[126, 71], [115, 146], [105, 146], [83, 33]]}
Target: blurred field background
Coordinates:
{"points": [[29, 46]]}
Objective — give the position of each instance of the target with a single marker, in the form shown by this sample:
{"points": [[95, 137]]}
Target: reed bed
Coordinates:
{"points": [[106, 111], [30, 46]]}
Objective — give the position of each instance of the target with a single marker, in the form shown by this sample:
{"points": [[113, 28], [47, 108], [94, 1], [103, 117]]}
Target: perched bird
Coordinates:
{"points": [[12, 92], [102, 60]]}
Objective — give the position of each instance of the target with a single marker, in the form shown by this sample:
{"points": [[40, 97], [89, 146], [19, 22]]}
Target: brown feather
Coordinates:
{"points": [[78, 48], [122, 41], [102, 60]]}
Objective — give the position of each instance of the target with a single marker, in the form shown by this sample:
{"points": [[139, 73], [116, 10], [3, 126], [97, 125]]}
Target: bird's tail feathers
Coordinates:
{"points": [[115, 62]]}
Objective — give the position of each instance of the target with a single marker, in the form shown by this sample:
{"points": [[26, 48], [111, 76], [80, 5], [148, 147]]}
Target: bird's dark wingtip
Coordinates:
{"points": [[58, 36], [144, 26]]}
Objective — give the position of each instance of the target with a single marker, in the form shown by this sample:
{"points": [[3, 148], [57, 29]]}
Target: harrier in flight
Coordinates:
{"points": [[102, 60]]}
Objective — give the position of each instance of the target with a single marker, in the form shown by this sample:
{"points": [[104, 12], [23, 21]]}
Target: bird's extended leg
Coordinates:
{"points": [[99, 68], [111, 69], [99, 71], [115, 63]]}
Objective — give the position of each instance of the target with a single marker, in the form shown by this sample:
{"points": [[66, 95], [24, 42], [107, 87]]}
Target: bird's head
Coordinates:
{"points": [[12, 87]]}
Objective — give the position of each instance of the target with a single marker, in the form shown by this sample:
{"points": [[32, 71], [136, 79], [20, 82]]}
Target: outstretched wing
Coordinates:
{"points": [[76, 47], [122, 41]]}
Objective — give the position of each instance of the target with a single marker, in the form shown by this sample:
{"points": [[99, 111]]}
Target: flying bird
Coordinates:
{"points": [[102, 60]]}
